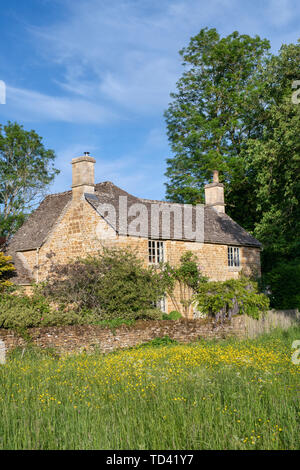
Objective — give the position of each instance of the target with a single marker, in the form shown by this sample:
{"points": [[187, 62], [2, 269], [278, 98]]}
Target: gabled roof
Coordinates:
{"points": [[219, 228], [39, 224]]}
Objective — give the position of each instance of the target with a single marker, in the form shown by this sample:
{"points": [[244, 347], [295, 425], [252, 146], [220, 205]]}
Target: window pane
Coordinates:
{"points": [[161, 304], [237, 258], [156, 251], [233, 256], [230, 260], [160, 252]]}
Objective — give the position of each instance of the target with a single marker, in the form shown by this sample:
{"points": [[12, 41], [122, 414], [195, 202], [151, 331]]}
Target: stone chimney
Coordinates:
{"points": [[214, 193], [83, 176]]}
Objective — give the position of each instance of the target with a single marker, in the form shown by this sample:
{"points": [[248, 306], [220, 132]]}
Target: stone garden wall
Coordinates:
{"points": [[89, 337]]}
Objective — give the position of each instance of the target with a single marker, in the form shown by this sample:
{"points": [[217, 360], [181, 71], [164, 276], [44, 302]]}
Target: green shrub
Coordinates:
{"points": [[114, 284], [20, 312], [158, 342], [224, 299], [7, 271], [149, 314], [174, 315]]}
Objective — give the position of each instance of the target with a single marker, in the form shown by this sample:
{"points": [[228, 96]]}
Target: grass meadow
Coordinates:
{"points": [[207, 395]]}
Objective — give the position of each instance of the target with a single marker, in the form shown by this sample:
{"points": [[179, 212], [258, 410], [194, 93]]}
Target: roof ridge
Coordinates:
{"points": [[58, 194], [70, 190], [172, 203]]}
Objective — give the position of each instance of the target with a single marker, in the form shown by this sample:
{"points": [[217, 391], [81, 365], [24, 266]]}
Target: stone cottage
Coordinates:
{"points": [[81, 221]]}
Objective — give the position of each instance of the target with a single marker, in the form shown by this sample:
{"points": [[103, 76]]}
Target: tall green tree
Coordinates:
{"points": [[216, 109], [26, 170], [274, 161], [244, 123]]}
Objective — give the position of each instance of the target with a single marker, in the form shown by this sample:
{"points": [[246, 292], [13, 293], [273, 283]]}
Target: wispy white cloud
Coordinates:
{"points": [[113, 59], [143, 88], [110, 61], [125, 53], [32, 105]]}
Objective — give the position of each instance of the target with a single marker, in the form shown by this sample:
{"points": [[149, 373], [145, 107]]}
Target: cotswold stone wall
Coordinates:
{"points": [[89, 337], [73, 339]]}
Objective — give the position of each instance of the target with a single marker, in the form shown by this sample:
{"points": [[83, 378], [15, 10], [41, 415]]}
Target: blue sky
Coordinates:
{"points": [[96, 75]]}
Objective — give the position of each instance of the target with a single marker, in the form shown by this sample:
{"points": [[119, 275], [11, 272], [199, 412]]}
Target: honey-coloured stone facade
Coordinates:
{"points": [[71, 225], [80, 231]]}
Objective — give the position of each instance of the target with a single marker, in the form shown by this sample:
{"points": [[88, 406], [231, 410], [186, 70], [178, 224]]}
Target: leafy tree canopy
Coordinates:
{"points": [[274, 159], [233, 111], [26, 170], [215, 110]]}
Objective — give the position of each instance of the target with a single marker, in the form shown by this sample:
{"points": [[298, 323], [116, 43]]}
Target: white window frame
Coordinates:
{"points": [[161, 304], [233, 256], [156, 251]]}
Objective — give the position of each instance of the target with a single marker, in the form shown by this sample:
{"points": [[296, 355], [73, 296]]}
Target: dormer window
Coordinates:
{"points": [[233, 257], [156, 251]]}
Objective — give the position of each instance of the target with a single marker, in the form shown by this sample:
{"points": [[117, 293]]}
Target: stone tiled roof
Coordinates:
{"points": [[34, 231], [219, 228]]}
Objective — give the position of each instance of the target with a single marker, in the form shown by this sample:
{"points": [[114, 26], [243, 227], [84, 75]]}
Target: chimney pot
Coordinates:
{"points": [[215, 176], [214, 193]]}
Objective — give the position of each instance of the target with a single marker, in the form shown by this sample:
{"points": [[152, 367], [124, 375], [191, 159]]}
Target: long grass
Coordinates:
{"points": [[206, 395], [282, 319]]}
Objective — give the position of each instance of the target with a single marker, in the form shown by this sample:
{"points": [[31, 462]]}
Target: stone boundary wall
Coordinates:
{"points": [[79, 338], [67, 339]]}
